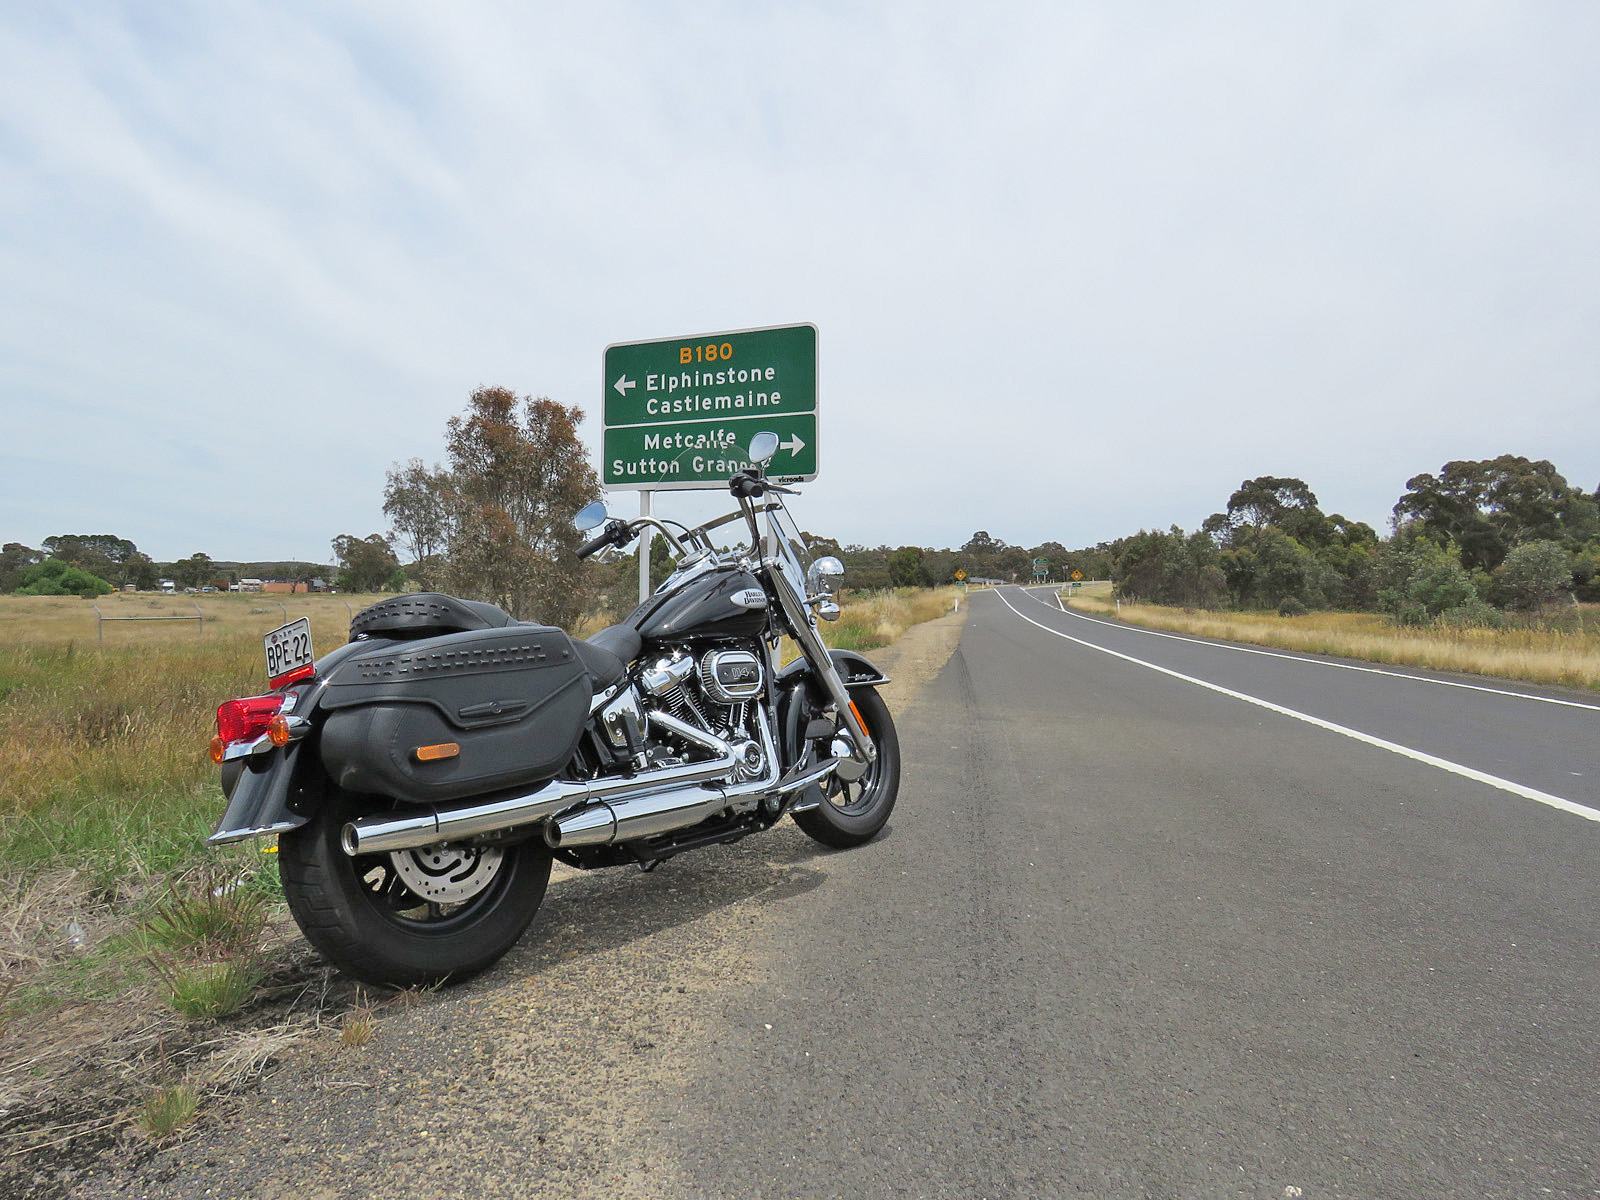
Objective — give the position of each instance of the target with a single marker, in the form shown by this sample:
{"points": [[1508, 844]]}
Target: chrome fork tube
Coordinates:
{"points": [[817, 655]]}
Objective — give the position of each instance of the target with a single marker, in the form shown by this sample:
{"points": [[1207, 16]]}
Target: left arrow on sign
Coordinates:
{"points": [[623, 384]]}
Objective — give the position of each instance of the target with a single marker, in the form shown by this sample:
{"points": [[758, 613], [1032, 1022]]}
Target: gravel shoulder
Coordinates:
{"points": [[556, 1074]]}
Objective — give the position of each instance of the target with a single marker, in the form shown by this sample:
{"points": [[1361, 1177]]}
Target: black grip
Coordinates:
{"points": [[747, 486], [600, 541]]}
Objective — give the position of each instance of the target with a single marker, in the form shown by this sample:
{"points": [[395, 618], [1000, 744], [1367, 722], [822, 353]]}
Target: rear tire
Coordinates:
{"points": [[369, 915], [853, 813]]}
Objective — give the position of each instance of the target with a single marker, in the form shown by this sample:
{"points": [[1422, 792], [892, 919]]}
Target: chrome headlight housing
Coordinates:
{"points": [[824, 575]]}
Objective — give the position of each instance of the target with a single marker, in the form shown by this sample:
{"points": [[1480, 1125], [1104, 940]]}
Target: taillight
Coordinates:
{"points": [[247, 719]]}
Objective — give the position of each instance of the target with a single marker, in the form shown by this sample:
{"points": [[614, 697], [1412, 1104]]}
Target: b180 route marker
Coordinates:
{"points": [[680, 412]]}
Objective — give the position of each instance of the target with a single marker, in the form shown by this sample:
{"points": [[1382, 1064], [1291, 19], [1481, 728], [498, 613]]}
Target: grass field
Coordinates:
{"points": [[103, 730], [1563, 649], [103, 737]]}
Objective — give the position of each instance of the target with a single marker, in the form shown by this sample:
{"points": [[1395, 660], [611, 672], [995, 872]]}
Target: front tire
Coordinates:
{"points": [[853, 813], [414, 918]]}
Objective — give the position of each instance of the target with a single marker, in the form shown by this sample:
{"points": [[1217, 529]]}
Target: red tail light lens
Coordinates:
{"points": [[246, 719]]}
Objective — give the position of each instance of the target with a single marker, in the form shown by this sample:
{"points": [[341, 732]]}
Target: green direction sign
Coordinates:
{"points": [[680, 412]]}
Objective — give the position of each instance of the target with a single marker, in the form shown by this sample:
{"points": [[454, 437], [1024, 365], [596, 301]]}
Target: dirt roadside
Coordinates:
{"points": [[530, 1081]]}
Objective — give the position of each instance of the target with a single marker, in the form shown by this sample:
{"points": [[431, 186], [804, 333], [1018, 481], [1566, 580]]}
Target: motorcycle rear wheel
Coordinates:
{"points": [[369, 915], [853, 813]]}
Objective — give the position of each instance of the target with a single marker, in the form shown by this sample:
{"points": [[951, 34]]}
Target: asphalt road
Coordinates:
{"points": [[1127, 935]]}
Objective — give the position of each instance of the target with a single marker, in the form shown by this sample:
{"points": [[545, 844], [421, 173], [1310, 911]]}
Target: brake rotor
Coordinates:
{"points": [[448, 874]]}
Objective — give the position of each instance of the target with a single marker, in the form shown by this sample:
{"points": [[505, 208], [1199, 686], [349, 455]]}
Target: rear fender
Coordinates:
{"points": [[263, 797], [279, 790]]}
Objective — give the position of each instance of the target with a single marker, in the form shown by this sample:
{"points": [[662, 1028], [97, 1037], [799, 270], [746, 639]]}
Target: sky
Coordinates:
{"points": [[1077, 269]]}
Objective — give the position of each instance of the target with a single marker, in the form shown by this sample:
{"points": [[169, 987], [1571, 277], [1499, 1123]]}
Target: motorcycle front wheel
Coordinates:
{"points": [[414, 917], [853, 813]]}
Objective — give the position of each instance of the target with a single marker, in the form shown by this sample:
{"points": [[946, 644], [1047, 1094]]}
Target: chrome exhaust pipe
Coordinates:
{"points": [[628, 818], [617, 810], [382, 835]]}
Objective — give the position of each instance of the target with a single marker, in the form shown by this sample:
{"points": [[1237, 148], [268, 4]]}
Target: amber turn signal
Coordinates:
{"points": [[278, 730], [217, 747], [859, 721], [435, 753]]}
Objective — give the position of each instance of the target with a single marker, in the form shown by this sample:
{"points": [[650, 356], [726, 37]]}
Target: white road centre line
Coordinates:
{"points": [[1319, 662], [1444, 764]]}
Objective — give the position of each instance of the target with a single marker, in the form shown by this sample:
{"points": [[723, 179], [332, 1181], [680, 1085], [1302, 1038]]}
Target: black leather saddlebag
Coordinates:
{"points": [[447, 717]]}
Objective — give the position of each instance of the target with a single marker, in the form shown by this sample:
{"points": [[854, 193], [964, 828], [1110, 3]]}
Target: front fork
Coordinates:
{"points": [[799, 620]]}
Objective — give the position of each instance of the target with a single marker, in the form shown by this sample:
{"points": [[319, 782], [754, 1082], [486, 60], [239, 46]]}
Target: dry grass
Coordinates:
{"points": [[1571, 659], [104, 743], [872, 619], [357, 1027]]}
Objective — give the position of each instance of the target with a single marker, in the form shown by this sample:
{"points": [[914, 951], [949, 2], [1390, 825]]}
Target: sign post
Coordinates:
{"points": [[679, 412]]}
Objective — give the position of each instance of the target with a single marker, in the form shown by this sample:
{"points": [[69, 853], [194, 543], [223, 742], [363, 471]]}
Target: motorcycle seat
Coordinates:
{"points": [[425, 614], [606, 654]]}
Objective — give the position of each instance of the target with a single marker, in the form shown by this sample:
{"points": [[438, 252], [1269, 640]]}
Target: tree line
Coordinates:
{"points": [[493, 522], [95, 564], [1481, 537]]}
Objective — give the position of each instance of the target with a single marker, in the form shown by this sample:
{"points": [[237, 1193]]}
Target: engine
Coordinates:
{"points": [[711, 689]]}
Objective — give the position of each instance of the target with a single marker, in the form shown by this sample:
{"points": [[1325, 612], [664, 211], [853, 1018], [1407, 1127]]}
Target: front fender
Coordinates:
{"points": [[853, 668]]}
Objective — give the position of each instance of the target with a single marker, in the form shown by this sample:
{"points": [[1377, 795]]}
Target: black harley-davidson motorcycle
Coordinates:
{"points": [[421, 778]]}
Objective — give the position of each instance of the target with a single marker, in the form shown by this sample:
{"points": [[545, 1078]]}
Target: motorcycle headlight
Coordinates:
{"points": [[824, 575]]}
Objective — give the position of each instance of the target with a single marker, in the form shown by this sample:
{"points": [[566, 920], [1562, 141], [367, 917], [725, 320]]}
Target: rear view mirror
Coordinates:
{"points": [[762, 447], [591, 516]]}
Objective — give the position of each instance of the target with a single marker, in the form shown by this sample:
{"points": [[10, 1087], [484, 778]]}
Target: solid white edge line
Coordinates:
{"points": [[1444, 764], [1318, 662]]}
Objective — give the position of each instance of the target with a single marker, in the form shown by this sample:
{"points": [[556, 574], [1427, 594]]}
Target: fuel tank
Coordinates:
{"points": [[723, 603]]}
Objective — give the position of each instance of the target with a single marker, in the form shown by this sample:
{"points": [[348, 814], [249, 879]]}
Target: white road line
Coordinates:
{"points": [[1505, 785], [1318, 662]]}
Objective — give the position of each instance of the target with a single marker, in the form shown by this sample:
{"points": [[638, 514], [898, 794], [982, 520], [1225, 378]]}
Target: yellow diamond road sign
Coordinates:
{"points": [[1077, 574], [961, 575]]}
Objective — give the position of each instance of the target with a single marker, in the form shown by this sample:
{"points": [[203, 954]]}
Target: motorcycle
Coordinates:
{"points": [[422, 778]]}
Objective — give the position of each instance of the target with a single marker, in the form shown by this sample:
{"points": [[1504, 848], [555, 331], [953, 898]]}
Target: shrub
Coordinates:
{"points": [[1292, 606], [1534, 574], [53, 577], [1474, 614]]}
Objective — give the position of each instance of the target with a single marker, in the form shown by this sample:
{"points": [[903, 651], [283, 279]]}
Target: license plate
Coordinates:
{"points": [[288, 649]]}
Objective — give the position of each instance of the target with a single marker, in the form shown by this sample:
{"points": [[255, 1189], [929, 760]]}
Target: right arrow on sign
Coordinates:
{"points": [[793, 447]]}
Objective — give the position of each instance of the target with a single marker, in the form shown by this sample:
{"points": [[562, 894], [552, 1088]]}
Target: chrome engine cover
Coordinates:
{"points": [[731, 676]]}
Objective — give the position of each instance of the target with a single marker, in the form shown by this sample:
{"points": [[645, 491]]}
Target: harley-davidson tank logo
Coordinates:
{"points": [[750, 598]]}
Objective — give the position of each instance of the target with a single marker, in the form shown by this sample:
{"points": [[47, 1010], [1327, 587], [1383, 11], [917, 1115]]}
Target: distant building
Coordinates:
{"points": [[166, 585], [246, 585], [281, 587]]}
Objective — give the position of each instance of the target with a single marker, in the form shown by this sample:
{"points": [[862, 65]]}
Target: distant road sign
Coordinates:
{"points": [[1077, 574], [680, 412], [1039, 564], [960, 575]]}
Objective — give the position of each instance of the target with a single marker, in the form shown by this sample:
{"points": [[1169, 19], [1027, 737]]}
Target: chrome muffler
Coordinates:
{"points": [[642, 816]]}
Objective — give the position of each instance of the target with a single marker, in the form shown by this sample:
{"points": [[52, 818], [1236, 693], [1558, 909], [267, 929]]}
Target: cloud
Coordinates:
{"points": [[1077, 269]]}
